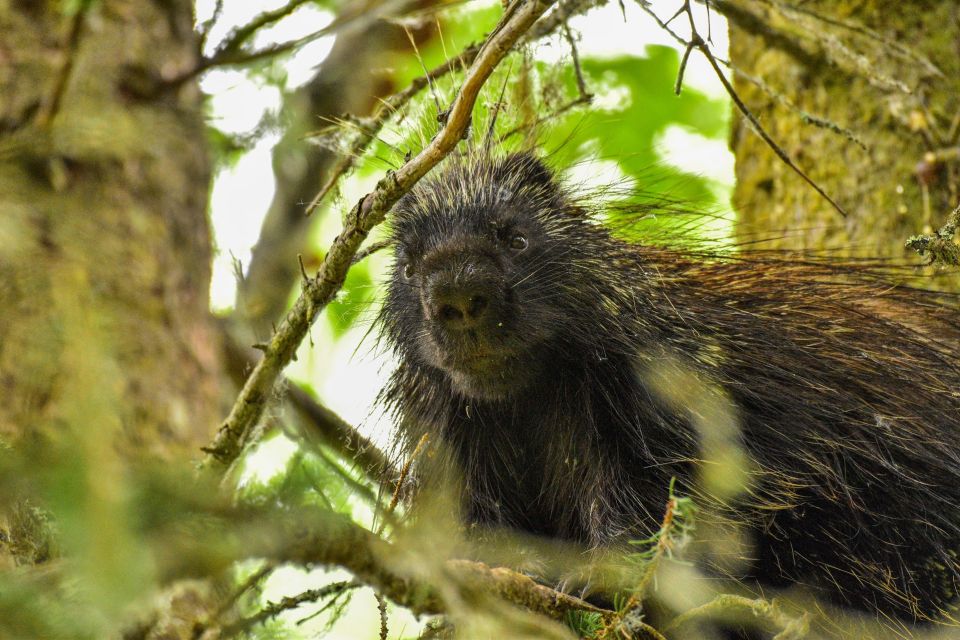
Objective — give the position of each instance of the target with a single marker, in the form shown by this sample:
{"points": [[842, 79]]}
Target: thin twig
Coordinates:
{"points": [[699, 43], [488, 138], [371, 249], [678, 85], [232, 53], [784, 157], [241, 35], [252, 581], [577, 70], [576, 102], [382, 610], [426, 73], [273, 609], [368, 213], [805, 117], [207, 25]]}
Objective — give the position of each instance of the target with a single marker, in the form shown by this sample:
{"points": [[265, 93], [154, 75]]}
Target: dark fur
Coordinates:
{"points": [[847, 391]]}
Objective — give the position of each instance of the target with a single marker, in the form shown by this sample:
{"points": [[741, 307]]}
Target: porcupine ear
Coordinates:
{"points": [[533, 170]]}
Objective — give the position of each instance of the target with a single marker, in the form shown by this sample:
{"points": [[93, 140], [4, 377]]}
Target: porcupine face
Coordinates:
{"points": [[477, 273]]}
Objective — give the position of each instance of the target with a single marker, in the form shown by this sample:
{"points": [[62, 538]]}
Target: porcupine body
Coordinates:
{"points": [[525, 333]]}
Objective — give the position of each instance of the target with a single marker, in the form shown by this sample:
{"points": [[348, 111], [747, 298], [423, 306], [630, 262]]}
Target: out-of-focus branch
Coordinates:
{"points": [[51, 106], [727, 606], [241, 35], [368, 212], [332, 539], [233, 50]]}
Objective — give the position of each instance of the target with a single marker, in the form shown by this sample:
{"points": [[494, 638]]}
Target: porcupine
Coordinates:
{"points": [[523, 327]]}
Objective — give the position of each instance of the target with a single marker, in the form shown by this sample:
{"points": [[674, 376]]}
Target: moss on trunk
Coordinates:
{"points": [[873, 81], [104, 240]]}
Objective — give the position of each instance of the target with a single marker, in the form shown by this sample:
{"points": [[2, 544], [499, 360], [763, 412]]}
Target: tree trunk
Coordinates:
{"points": [[106, 341], [862, 65]]}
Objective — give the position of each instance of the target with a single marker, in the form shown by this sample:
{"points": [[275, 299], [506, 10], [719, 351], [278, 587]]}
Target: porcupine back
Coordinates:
{"points": [[847, 389]]}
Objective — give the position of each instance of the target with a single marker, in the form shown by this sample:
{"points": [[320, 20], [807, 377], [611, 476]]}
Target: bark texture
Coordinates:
{"points": [[105, 333], [861, 65]]}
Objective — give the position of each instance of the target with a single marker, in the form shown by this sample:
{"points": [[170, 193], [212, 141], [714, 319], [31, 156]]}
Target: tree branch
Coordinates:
{"points": [[725, 606], [48, 111], [240, 35], [326, 425], [368, 212]]}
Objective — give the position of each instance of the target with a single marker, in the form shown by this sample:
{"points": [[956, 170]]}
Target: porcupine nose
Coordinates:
{"points": [[460, 299], [458, 308]]}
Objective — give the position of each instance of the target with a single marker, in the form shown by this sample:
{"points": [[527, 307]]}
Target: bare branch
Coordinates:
{"points": [[371, 249], [575, 57], [207, 25], [805, 117], [231, 52], [241, 35], [368, 212]]}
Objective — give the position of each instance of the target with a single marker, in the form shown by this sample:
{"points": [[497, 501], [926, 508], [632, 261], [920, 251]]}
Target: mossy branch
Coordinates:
{"points": [[940, 247], [331, 539], [322, 424]]}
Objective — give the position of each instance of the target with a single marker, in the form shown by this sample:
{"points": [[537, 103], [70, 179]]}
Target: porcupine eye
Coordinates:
{"points": [[407, 271], [513, 240], [518, 242]]}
